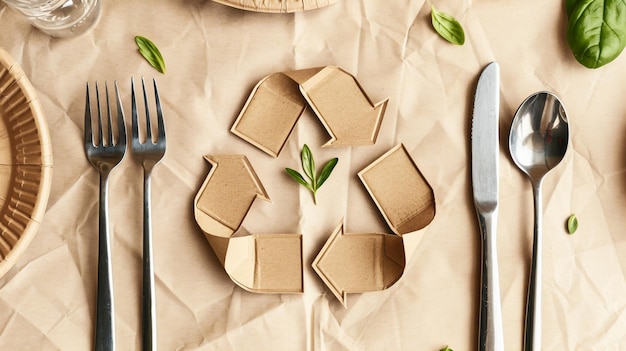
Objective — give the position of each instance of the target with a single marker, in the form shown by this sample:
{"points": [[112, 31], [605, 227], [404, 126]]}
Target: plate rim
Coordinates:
{"points": [[239, 4], [44, 168]]}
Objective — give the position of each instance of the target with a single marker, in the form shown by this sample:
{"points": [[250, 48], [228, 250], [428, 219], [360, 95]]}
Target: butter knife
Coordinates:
{"points": [[485, 150]]}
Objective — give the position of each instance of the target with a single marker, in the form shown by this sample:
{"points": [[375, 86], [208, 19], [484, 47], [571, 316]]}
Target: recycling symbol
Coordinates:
{"points": [[348, 262]]}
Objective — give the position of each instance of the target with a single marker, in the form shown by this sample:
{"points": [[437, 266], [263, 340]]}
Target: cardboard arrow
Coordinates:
{"points": [[270, 113], [278, 100], [356, 263], [400, 191], [257, 263], [342, 106], [227, 194]]}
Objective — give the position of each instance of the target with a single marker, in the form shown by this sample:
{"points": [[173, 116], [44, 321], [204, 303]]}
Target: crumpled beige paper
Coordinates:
{"points": [[215, 54]]}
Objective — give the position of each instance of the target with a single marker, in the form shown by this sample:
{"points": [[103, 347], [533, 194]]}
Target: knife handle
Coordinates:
{"points": [[490, 336]]}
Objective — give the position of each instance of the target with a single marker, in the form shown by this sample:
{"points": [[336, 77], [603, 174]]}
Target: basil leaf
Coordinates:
{"points": [[596, 30], [328, 168], [151, 53], [572, 224], [447, 26], [569, 6], [308, 163]]}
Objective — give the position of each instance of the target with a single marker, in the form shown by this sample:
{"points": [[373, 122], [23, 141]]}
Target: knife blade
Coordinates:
{"points": [[484, 164]]}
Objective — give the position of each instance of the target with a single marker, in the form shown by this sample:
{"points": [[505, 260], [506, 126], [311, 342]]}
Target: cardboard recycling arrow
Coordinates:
{"points": [[278, 100], [343, 108], [350, 263], [356, 263], [259, 262], [400, 191]]}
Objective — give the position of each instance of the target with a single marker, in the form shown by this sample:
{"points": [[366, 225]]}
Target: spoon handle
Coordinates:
{"points": [[490, 336], [532, 332]]}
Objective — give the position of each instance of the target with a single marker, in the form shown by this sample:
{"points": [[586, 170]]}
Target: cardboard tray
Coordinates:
{"points": [[276, 6], [25, 162]]}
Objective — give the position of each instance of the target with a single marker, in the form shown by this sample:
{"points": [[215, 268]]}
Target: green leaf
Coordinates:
{"points": [[447, 26], [297, 176], [151, 53], [569, 6], [572, 224], [596, 30], [308, 163], [328, 168], [446, 349]]}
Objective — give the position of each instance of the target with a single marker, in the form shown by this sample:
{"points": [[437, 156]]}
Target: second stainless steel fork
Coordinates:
{"points": [[149, 153], [104, 152]]}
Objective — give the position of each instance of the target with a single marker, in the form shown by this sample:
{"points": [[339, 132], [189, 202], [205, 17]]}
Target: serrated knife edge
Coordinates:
{"points": [[485, 138]]}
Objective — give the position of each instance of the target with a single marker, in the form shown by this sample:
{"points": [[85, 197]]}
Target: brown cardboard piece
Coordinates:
{"points": [[25, 162], [402, 194], [276, 6], [340, 103], [270, 113], [359, 262], [263, 263], [356, 263], [278, 100]]}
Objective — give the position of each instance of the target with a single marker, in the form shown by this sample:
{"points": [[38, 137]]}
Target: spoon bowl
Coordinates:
{"points": [[539, 134], [538, 141]]}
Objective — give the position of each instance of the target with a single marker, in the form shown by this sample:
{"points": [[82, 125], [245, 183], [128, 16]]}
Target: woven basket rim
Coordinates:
{"points": [[38, 172], [283, 6]]}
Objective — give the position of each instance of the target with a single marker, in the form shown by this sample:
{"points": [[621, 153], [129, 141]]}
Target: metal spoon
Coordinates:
{"points": [[538, 142]]}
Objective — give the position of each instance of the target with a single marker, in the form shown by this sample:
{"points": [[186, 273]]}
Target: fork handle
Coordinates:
{"points": [[105, 313], [149, 338]]}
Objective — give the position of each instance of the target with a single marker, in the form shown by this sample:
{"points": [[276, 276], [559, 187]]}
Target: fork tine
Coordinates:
{"points": [[121, 127], [133, 103], [160, 124], [100, 132], [87, 126], [145, 101], [109, 138]]}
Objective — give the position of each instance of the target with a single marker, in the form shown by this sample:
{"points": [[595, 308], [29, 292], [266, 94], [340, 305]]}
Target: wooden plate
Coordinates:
{"points": [[25, 162], [277, 6]]}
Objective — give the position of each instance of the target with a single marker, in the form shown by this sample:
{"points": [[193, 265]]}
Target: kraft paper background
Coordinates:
{"points": [[215, 55]]}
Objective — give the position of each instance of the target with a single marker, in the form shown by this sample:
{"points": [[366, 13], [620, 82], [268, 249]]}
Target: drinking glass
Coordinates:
{"points": [[59, 18]]}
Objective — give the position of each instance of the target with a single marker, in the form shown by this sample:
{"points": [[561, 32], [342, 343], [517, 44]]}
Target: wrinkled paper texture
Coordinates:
{"points": [[215, 54]]}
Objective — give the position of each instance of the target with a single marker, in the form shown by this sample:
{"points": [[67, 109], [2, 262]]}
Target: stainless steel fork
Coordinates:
{"points": [[149, 153], [104, 152]]}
